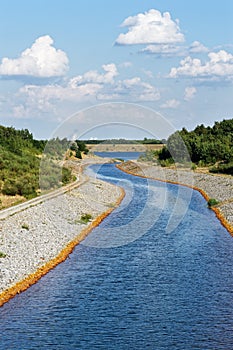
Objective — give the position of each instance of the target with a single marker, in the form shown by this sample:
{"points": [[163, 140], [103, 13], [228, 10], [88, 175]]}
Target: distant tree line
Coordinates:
{"points": [[124, 141]]}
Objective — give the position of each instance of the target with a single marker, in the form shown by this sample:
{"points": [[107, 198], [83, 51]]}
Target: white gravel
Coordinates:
{"points": [[34, 236]]}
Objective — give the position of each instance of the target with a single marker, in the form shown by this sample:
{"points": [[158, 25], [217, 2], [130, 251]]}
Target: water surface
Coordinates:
{"points": [[160, 291]]}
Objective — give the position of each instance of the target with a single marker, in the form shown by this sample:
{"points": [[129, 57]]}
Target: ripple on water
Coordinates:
{"points": [[161, 291]]}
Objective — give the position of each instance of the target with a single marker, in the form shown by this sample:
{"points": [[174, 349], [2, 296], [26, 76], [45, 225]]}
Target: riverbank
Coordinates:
{"points": [[36, 239], [219, 187]]}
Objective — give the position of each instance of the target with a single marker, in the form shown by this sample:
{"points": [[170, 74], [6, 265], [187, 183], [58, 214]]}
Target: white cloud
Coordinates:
{"points": [[110, 72], [170, 104], [40, 60], [89, 87], [171, 50], [148, 73], [151, 27], [197, 47], [138, 90], [219, 66], [166, 50], [189, 93], [126, 64]]}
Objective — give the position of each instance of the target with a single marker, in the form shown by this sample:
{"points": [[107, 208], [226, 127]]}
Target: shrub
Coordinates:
{"points": [[223, 169], [212, 202], [85, 218], [166, 163], [2, 255], [193, 166]]}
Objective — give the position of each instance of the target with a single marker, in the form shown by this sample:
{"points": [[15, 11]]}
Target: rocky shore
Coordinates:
{"points": [[219, 187], [36, 239]]}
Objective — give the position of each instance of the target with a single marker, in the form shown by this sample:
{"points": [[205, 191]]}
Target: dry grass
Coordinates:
{"points": [[8, 201]]}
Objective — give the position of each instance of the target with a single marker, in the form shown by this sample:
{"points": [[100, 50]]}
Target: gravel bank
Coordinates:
{"points": [[215, 186], [35, 236]]}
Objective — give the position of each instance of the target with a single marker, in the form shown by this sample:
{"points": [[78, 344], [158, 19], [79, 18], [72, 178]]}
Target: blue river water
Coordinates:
{"points": [[152, 288]]}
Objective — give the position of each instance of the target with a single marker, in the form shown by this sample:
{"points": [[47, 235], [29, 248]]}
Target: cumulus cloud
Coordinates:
{"points": [[138, 90], [42, 60], [89, 87], [110, 72], [219, 66], [189, 93], [151, 27], [172, 104], [197, 47]]}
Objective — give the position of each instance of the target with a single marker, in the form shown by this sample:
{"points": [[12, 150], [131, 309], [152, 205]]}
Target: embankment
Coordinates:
{"points": [[37, 238], [210, 186]]}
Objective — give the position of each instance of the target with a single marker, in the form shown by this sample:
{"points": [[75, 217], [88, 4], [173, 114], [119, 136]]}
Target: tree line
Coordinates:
{"points": [[203, 146]]}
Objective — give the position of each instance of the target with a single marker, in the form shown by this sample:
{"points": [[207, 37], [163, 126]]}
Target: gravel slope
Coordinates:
{"points": [[215, 186], [36, 235]]}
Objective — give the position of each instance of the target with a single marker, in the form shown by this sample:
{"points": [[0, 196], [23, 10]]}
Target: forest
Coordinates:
{"points": [[20, 163], [203, 146]]}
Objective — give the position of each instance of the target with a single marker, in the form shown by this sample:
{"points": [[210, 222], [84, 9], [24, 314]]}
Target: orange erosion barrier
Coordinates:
{"points": [[217, 211], [34, 277]]}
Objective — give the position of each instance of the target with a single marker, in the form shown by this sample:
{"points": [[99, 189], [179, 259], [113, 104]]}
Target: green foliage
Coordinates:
{"points": [[56, 148], [212, 202], [85, 218], [149, 156], [78, 154], [52, 175], [124, 141], [67, 176], [2, 255], [193, 166], [223, 169], [19, 172], [20, 163], [204, 145], [82, 146], [166, 162], [147, 141], [78, 147]]}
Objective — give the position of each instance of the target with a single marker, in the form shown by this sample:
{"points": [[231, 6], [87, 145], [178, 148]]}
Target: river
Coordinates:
{"points": [[134, 284]]}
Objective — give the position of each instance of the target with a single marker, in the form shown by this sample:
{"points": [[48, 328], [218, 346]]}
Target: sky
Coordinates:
{"points": [[155, 65]]}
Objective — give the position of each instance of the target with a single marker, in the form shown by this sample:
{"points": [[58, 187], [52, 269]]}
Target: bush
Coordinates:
{"points": [[212, 202], [223, 169], [10, 188], [2, 255], [66, 176], [85, 218], [193, 166], [166, 163]]}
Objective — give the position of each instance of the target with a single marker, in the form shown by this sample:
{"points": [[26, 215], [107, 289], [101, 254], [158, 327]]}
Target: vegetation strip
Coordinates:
{"points": [[218, 213], [34, 277]]}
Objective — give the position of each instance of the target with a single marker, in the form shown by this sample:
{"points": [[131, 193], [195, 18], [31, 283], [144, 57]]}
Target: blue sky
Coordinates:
{"points": [[60, 57]]}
